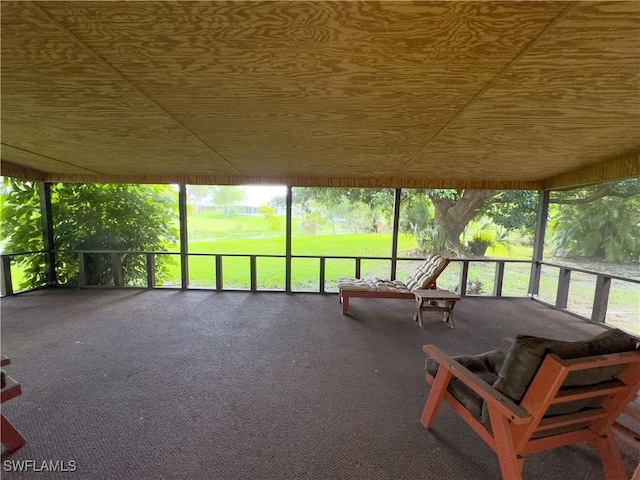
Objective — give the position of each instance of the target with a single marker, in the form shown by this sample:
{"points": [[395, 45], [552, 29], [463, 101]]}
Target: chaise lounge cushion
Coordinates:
{"points": [[372, 285], [423, 277]]}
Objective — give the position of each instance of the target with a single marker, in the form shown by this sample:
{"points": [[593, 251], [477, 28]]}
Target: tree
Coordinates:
{"points": [[227, 196], [274, 223], [364, 209], [600, 222], [437, 217], [196, 195], [90, 217], [454, 209]]}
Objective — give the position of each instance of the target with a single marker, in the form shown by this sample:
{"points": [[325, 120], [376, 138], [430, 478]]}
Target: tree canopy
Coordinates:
{"points": [[436, 217], [90, 217], [599, 221]]}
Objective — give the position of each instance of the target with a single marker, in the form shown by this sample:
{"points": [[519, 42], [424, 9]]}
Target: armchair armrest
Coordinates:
{"points": [[500, 402]]}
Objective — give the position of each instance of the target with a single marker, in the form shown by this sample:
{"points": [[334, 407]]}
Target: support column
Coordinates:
{"points": [[288, 227], [396, 228], [538, 245], [184, 240], [47, 233]]}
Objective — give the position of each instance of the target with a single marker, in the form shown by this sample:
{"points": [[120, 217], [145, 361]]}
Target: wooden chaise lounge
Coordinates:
{"points": [[424, 277]]}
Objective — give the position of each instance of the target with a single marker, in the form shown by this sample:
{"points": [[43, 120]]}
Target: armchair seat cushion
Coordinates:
{"points": [[485, 365]]}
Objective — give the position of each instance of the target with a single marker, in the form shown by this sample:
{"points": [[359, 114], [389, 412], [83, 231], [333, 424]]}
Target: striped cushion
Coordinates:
{"points": [[424, 275], [426, 272]]}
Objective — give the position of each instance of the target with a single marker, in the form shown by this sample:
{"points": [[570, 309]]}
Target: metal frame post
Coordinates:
{"points": [[538, 245], [288, 227], [6, 283], [396, 226], [184, 240], [46, 215]]}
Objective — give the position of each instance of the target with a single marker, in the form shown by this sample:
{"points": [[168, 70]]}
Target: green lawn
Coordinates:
{"points": [[214, 226], [305, 272], [211, 233]]}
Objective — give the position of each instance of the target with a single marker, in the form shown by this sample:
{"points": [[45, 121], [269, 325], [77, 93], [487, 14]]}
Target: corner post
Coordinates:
{"points": [[396, 227], [46, 214], [538, 245], [184, 240], [288, 240]]}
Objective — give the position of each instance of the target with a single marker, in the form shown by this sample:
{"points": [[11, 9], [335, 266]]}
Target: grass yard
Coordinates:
{"points": [[271, 271], [243, 235], [207, 226]]}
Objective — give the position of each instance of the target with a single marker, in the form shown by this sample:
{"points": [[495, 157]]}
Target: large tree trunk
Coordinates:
{"points": [[454, 215]]}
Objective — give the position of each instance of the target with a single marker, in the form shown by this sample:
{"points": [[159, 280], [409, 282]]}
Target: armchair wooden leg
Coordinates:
{"points": [[610, 456], [436, 395], [12, 439], [510, 463]]}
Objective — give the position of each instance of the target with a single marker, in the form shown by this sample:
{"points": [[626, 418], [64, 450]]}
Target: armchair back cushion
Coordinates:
{"points": [[527, 352]]}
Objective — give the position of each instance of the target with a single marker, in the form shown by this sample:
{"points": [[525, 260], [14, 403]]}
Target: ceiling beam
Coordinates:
{"points": [[626, 166]]}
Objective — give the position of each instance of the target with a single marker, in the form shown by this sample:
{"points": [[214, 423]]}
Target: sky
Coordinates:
{"points": [[258, 195]]}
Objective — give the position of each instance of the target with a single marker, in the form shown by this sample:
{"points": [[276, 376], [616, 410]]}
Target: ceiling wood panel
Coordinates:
{"points": [[342, 93]]}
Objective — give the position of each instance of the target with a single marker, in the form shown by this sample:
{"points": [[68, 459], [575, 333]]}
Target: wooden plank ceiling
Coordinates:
{"points": [[438, 94]]}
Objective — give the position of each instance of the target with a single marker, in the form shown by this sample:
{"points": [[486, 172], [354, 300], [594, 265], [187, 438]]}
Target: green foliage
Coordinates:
{"points": [[21, 227], [312, 223], [226, 196], [514, 209], [475, 287], [606, 229], [360, 209], [417, 216], [274, 223], [480, 242], [91, 217], [432, 238], [20, 221], [382, 198]]}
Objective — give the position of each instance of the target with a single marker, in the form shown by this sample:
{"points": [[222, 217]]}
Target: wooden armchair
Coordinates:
{"points": [[12, 439], [424, 277], [542, 394]]}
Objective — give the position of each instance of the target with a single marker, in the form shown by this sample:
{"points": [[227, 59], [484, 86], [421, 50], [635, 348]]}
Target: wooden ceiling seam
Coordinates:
{"points": [[531, 95], [117, 72], [492, 82]]}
